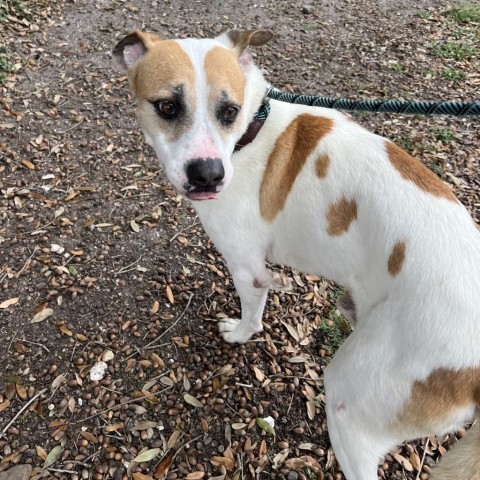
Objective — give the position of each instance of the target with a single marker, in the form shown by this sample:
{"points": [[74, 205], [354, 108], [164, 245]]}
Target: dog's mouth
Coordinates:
{"points": [[199, 193]]}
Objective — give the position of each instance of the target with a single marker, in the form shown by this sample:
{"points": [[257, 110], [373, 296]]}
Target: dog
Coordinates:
{"points": [[310, 188]]}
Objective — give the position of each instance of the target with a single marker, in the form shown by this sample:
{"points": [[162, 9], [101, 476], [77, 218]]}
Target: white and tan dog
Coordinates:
{"points": [[314, 190]]}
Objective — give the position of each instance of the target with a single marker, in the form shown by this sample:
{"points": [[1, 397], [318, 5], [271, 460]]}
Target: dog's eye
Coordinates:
{"points": [[166, 109], [229, 114]]}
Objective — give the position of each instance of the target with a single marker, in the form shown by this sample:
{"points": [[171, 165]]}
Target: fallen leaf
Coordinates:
{"points": [[9, 302], [195, 476], [238, 426], [53, 456], [192, 401], [170, 294], [147, 455], [89, 436], [162, 468], [259, 374], [28, 164], [265, 426], [42, 315], [134, 226], [4, 405], [114, 427], [141, 476], [41, 452], [403, 462], [226, 462], [143, 426], [21, 392]]}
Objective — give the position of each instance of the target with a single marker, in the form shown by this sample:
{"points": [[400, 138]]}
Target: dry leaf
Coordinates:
{"points": [[42, 315], [170, 294], [4, 405], [89, 436], [226, 462], [195, 476], [259, 374], [155, 307], [41, 452], [134, 226], [403, 462], [9, 302], [28, 164], [114, 427], [143, 426], [147, 455], [192, 400], [141, 476], [164, 465], [238, 426], [21, 392]]}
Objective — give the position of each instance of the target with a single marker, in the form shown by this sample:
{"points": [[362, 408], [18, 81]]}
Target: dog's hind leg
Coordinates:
{"points": [[252, 286], [358, 409]]}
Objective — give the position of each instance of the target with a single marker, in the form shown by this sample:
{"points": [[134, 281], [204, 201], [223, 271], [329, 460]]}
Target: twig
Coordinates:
{"points": [[34, 343], [21, 411], [26, 263], [423, 459], [146, 347], [11, 341], [184, 230], [121, 405], [61, 471], [71, 128], [127, 267]]}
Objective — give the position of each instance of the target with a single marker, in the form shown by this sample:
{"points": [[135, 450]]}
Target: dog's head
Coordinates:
{"points": [[191, 98]]}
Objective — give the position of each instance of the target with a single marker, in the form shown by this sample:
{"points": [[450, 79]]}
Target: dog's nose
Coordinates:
{"points": [[205, 172]]}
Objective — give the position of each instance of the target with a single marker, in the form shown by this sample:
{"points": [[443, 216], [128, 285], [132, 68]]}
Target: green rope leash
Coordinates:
{"points": [[390, 106]]}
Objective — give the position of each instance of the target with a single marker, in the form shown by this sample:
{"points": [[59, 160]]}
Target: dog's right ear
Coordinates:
{"points": [[133, 47], [241, 39]]}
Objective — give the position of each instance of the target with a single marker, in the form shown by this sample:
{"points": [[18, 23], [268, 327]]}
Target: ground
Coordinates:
{"points": [[100, 260]]}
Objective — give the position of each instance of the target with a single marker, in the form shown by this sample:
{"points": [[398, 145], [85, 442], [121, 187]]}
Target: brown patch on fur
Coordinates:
{"points": [[165, 66], [396, 259], [437, 397], [289, 154], [340, 215], [224, 75], [412, 170], [322, 165]]}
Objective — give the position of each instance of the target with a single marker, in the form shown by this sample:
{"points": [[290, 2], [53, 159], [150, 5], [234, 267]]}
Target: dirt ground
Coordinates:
{"points": [[100, 260]]}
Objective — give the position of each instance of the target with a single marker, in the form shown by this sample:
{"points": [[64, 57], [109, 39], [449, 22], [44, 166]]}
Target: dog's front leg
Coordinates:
{"points": [[252, 286]]}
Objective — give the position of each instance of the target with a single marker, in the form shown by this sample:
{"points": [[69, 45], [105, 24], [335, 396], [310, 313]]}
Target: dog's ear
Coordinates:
{"points": [[132, 48], [241, 39]]}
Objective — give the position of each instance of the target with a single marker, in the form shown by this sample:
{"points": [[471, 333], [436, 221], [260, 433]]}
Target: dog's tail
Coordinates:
{"points": [[463, 461]]}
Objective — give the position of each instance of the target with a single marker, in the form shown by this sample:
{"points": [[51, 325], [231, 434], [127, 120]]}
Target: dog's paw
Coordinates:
{"points": [[232, 330]]}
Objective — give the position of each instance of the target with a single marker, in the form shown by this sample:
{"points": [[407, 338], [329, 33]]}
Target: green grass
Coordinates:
{"points": [[6, 66], [454, 51], [334, 329], [445, 135], [452, 74], [397, 67], [310, 26], [466, 13]]}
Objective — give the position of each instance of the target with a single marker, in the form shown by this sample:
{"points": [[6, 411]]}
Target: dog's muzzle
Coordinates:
{"points": [[204, 175]]}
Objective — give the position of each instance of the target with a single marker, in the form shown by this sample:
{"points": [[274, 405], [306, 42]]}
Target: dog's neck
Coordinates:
{"points": [[256, 105], [255, 125]]}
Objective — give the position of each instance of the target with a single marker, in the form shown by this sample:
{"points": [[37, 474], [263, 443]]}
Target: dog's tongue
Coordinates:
{"points": [[202, 196]]}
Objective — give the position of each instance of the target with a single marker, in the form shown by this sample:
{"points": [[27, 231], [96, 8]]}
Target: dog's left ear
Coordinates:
{"points": [[241, 39]]}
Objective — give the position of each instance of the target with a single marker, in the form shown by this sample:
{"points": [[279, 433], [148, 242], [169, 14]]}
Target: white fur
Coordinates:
{"points": [[425, 318]]}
